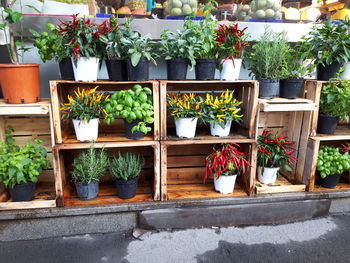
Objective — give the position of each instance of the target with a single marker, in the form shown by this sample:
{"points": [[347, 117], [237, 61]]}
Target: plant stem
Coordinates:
{"points": [[13, 54]]}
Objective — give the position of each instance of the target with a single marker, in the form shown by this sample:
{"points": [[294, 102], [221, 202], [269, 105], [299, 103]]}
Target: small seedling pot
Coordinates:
{"points": [[87, 191], [327, 124], [140, 72], [177, 69], [186, 127], [225, 184], [330, 181], [217, 130], [86, 69], [136, 135], [23, 192], [86, 131], [205, 69], [267, 175], [116, 69], [126, 189], [66, 69], [231, 69]]}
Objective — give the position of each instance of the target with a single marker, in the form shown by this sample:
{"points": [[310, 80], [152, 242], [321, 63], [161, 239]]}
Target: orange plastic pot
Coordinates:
{"points": [[20, 84]]}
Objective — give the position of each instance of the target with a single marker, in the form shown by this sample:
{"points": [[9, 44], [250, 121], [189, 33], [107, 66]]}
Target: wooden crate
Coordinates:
{"points": [[183, 166], [30, 121], [64, 131], [246, 91], [149, 182]]}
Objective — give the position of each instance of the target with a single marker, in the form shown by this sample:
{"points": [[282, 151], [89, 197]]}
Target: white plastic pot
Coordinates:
{"points": [[85, 69], [230, 69], [267, 175], [186, 127], [86, 131], [225, 184], [216, 130]]}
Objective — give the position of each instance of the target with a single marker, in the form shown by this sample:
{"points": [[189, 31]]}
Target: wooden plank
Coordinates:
{"points": [[163, 171], [313, 92], [116, 137], [282, 185], [28, 205], [157, 176], [186, 173], [156, 109], [212, 141], [249, 180], [163, 110], [186, 161], [267, 107], [274, 119], [55, 111], [311, 164], [29, 126], [31, 110], [83, 145]]}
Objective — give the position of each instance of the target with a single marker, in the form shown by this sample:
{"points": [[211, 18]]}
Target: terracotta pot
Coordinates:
{"points": [[20, 84]]}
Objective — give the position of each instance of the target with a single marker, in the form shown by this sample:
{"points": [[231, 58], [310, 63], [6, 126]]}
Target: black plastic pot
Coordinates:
{"points": [[22, 192], [291, 88], [133, 135], [327, 124], [177, 69], [87, 191], [330, 181], [140, 72], [126, 189], [66, 69], [205, 69], [327, 72], [269, 88], [117, 70]]}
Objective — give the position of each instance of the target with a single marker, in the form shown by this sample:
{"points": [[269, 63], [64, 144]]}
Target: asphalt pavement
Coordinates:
{"points": [[319, 240]]}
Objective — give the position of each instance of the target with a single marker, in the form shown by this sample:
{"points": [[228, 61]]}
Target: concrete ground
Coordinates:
{"points": [[319, 240]]}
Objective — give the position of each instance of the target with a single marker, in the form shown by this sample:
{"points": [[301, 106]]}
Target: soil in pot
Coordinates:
{"points": [[130, 134], [291, 88], [269, 88], [205, 69], [327, 124], [66, 69], [177, 69], [117, 70], [23, 192], [140, 72], [87, 191], [126, 189], [20, 83], [327, 72], [330, 181]]}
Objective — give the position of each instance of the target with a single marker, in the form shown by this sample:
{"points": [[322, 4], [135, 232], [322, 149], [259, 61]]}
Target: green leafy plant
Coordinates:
{"points": [[227, 160], [177, 45], [21, 165], [335, 99], [132, 104], [220, 109], [84, 105], [126, 166], [90, 165], [330, 161], [328, 43], [203, 37], [267, 60], [275, 151], [184, 105]]}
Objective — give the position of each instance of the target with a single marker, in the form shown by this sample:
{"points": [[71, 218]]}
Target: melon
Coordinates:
{"points": [[177, 4], [260, 14], [175, 12], [193, 3], [261, 4], [186, 9], [269, 13]]}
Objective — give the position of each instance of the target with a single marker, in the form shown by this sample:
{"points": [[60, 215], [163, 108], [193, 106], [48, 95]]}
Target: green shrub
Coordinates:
{"points": [[126, 166]]}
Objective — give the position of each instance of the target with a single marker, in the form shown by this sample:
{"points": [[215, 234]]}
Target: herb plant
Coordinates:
{"points": [[334, 100], [90, 165], [184, 105], [21, 165], [84, 105], [132, 104], [227, 160], [267, 60], [275, 151], [126, 166], [330, 161], [220, 109]]}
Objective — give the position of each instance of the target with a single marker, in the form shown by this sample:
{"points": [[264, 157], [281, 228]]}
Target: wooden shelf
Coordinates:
{"points": [[39, 108], [342, 133], [45, 196], [282, 185], [205, 140], [117, 137], [281, 104], [86, 145]]}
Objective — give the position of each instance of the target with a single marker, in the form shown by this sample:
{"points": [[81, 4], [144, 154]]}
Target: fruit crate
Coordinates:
{"points": [[183, 167], [149, 182], [64, 131], [30, 121], [246, 91]]}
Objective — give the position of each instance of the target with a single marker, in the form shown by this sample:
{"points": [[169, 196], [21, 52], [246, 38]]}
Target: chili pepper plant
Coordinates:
{"points": [[184, 105]]}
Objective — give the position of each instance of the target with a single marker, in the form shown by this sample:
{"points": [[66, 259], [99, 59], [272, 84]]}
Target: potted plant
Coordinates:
{"points": [[329, 44], [135, 106], [231, 42], [185, 107], [345, 149], [86, 44], [220, 111], [267, 61], [274, 152], [224, 165], [140, 52], [178, 51], [88, 167], [203, 39], [117, 53], [20, 167], [85, 107], [334, 105], [126, 169], [15, 89], [330, 173]]}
